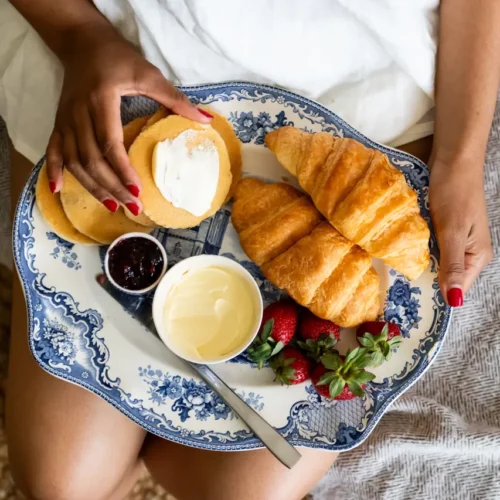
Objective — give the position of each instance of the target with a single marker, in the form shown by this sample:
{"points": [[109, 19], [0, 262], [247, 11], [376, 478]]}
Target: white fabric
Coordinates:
{"points": [[372, 62]]}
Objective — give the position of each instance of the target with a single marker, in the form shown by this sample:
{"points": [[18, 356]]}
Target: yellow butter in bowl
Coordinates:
{"points": [[208, 309]]}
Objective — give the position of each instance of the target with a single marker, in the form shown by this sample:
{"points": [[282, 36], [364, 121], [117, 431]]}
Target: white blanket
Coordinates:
{"points": [[372, 62]]}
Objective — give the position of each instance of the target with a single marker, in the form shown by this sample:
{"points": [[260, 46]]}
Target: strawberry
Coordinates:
{"points": [[341, 378], [291, 366], [311, 327], [379, 340], [279, 323], [319, 335]]}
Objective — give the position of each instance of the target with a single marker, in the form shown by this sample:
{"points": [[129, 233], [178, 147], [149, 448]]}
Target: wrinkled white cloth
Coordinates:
{"points": [[370, 62]]}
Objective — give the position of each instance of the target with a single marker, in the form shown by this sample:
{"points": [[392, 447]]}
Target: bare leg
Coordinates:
{"points": [[64, 442], [189, 474]]}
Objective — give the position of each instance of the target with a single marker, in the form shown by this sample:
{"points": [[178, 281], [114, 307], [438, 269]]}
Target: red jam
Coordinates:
{"points": [[135, 263]]}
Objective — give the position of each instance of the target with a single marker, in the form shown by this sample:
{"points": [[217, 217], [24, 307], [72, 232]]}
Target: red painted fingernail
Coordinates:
{"points": [[133, 207], [52, 187], [455, 297], [111, 205], [134, 190], [205, 113]]}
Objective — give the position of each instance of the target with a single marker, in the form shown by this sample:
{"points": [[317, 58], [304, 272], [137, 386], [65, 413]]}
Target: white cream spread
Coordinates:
{"points": [[186, 171]]}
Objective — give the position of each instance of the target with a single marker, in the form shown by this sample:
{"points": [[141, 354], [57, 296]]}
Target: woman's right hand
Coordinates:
{"points": [[88, 137]]}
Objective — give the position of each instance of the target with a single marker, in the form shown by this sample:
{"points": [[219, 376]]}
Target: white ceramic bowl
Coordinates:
{"points": [[174, 275], [135, 235]]}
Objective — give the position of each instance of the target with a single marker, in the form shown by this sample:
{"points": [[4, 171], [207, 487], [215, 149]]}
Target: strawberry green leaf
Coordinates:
{"points": [[364, 341], [395, 342], [327, 378], [371, 337], [267, 330], [315, 349], [355, 388], [336, 386], [328, 340], [331, 361], [288, 375], [285, 373], [259, 354], [277, 348], [385, 332], [376, 359], [359, 359], [363, 358], [351, 355], [259, 351], [364, 377]]}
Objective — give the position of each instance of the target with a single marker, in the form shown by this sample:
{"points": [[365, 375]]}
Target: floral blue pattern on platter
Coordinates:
{"points": [[250, 128], [64, 250], [402, 306], [78, 333], [191, 398]]}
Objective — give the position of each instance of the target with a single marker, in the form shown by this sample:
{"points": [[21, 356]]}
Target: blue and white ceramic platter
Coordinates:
{"points": [[80, 334]]}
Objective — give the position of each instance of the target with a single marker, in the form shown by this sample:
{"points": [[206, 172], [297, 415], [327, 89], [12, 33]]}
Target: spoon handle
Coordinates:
{"points": [[269, 436]]}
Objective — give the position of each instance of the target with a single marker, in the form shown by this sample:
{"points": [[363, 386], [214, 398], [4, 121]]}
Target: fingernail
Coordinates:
{"points": [[111, 205], [52, 187], [134, 190], [205, 113], [133, 207], [455, 297]]}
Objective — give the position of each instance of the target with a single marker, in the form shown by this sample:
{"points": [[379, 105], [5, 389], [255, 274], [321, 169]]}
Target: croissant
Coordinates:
{"points": [[360, 193], [282, 232]]}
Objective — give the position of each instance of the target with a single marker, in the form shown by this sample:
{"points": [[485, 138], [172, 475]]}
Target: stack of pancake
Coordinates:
{"points": [[75, 215]]}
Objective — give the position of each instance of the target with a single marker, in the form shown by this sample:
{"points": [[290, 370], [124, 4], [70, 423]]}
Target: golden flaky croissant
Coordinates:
{"points": [[360, 193], [281, 231]]}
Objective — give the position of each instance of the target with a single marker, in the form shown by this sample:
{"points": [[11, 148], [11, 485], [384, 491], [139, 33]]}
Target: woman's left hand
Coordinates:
{"points": [[458, 211]]}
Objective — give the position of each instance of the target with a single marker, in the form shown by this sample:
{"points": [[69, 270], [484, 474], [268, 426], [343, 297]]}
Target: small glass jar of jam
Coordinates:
{"points": [[135, 263]]}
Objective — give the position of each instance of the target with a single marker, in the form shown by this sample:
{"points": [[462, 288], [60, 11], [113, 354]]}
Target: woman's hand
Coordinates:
{"points": [[458, 210], [88, 136]]}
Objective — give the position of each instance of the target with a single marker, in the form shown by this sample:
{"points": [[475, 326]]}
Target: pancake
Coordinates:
{"points": [[91, 217], [130, 132], [51, 208], [156, 117], [156, 207], [132, 129], [233, 145]]}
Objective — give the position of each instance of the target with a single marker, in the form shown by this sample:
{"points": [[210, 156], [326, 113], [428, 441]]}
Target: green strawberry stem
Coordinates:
{"points": [[314, 349], [267, 329], [378, 347], [264, 346], [350, 372], [283, 370]]}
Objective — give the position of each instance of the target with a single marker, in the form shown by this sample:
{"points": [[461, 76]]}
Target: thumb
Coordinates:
{"points": [[163, 92], [451, 269]]}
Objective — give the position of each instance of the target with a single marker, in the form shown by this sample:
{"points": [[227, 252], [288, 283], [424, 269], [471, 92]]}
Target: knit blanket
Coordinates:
{"points": [[441, 439]]}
